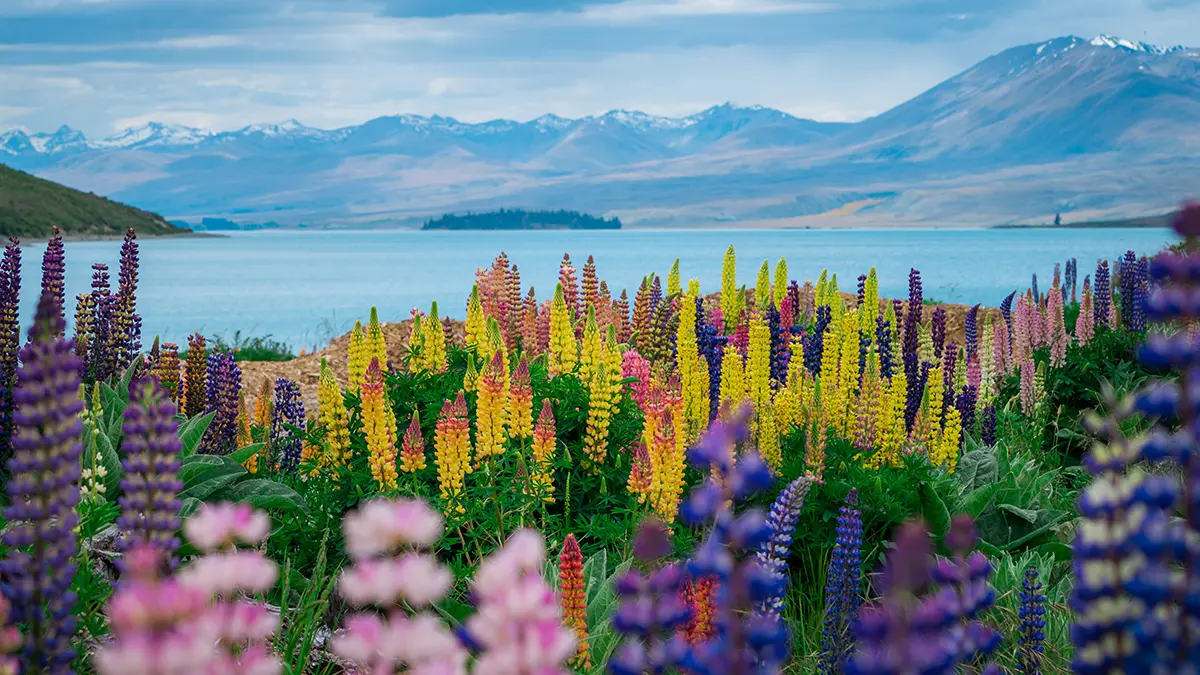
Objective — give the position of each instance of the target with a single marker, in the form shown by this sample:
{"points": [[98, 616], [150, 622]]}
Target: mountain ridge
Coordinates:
{"points": [[1098, 128]]}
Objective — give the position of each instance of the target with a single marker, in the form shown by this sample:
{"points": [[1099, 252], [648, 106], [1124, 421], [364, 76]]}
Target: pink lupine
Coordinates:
{"points": [[974, 373], [716, 317], [518, 628], [388, 542], [1022, 340], [1037, 325], [1028, 400], [1056, 330], [218, 526], [1003, 349], [1085, 324], [634, 364]]}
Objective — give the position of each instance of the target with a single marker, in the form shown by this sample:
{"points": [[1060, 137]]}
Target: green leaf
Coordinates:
{"points": [[1046, 519], [1058, 550], [188, 506], [263, 494], [977, 468], [979, 499], [212, 479], [106, 456], [191, 431], [127, 377], [934, 510], [190, 467], [242, 454], [1028, 515]]}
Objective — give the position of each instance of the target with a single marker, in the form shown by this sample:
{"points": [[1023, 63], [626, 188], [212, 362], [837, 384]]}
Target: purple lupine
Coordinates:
{"points": [[797, 308], [916, 390], [862, 289], [965, 402], [906, 631], [54, 269], [949, 363], [843, 589], [127, 325], [1137, 315], [779, 347], [150, 485], [223, 384], [971, 328], [1006, 310], [1037, 298], [712, 348], [864, 348], [773, 553], [988, 425], [744, 642], [967, 573], [10, 341], [883, 342], [44, 493], [287, 425], [1033, 623], [814, 342], [101, 358], [1103, 293], [937, 331], [1128, 282], [912, 318], [1072, 276], [650, 610]]}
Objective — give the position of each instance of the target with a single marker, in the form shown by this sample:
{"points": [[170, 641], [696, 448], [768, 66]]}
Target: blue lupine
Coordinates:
{"points": [[1033, 285], [650, 610], [779, 347], [1103, 293], [965, 402], [1033, 624], [287, 425], [883, 341], [815, 341], [967, 573], [150, 485], [712, 348], [987, 424], [223, 385], [1006, 310], [970, 327], [843, 588], [773, 553], [937, 331]]}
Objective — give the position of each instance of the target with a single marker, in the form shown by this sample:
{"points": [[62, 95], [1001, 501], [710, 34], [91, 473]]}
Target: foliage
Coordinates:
{"points": [[259, 348], [518, 219]]}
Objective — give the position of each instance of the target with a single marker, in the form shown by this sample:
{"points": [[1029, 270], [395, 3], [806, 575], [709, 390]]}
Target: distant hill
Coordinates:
{"points": [[1095, 129], [517, 219], [30, 206]]}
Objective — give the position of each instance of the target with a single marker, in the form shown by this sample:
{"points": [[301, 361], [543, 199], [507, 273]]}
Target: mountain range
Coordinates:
{"points": [[1091, 129]]}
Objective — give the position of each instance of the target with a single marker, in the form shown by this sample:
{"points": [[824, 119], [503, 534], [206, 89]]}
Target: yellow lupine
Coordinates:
{"points": [[667, 464], [521, 401], [452, 448], [412, 448], [848, 372], [819, 292], [600, 412], [545, 442], [831, 348], [476, 326], [936, 387], [673, 281], [951, 438], [733, 389], [796, 367], [837, 304], [491, 422], [692, 387], [925, 342], [870, 305], [358, 357], [768, 438], [758, 362], [379, 426], [923, 433], [762, 288], [244, 437], [376, 344], [471, 375], [564, 349], [496, 346], [781, 282], [786, 409], [334, 418], [434, 345], [732, 301], [416, 345], [591, 354], [889, 315]]}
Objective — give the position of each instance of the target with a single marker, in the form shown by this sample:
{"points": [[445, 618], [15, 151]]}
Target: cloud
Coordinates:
{"points": [[101, 65]]}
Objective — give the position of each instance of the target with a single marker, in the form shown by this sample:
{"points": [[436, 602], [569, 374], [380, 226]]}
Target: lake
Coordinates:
{"points": [[304, 287]]}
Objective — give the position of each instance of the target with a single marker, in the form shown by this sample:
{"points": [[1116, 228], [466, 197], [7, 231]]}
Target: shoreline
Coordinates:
{"points": [[119, 237]]}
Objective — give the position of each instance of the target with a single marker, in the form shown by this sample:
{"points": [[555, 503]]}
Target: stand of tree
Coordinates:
{"points": [[518, 219]]}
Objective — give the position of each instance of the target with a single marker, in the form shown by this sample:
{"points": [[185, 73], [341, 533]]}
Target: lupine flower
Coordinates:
{"points": [[1056, 330], [10, 338], [85, 330], [476, 325], [564, 349], [412, 451], [223, 383], [43, 491], [287, 425], [762, 287], [634, 365], [334, 418], [54, 268], [1128, 280], [780, 289], [167, 370], [530, 321], [566, 278], [491, 419], [591, 350], [521, 401], [734, 388], [1103, 295], [516, 311], [195, 386], [971, 329], [1033, 624], [650, 610], [1002, 350], [701, 598], [758, 363], [126, 330], [988, 425], [843, 588], [667, 463], [452, 445], [814, 448], [1033, 285], [1085, 324], [379, 426], [966, 406], [102, 357], [572, 597], [967, 574], [641, 473], [712, 348], [693, 373], [149, 484], [621, 313], [732, 301], [264, 405], [912, 316], [744, 642], [774, 551]]}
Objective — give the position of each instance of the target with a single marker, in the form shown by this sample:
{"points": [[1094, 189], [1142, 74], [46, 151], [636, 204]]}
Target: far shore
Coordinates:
{"points": [[119, 237]]}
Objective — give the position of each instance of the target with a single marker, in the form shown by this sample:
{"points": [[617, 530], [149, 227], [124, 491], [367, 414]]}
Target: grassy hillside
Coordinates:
{"points": [[29, 206]]}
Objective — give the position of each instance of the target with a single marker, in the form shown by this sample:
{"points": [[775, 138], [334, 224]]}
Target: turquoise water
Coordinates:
{"points": [[305, 287]]}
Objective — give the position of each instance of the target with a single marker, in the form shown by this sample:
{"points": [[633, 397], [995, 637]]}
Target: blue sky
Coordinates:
{"points": [[104, 65]]}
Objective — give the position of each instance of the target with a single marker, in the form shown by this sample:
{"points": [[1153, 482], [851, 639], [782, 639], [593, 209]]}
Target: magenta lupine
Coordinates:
{"points": [[223, 385], [10, 341], [43, 492], [393, 570], [1056, 329], [150, 484], [54, 269], [636, 366]]}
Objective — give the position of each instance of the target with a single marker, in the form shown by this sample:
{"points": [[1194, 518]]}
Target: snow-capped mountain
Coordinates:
{"points": [[1102, 126]]}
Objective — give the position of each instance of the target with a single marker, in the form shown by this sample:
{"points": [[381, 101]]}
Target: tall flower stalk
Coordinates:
{"points": [[150, 484], [843, 588]]}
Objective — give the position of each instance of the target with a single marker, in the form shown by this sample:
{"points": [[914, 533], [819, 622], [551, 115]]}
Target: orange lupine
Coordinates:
{"points": [[412, 450], [572, 599], [452, 445], [544, 444]]}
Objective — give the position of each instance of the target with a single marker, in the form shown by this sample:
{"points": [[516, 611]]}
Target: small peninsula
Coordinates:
{"points": [[519, 219]]}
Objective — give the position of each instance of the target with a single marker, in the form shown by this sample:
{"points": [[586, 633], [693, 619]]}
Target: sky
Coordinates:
{"points": [[105, 65]]}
